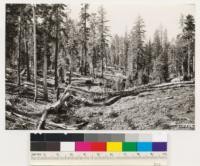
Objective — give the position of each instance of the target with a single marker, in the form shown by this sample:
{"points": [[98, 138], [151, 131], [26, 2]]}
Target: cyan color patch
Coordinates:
{"points": [[144, 146]]}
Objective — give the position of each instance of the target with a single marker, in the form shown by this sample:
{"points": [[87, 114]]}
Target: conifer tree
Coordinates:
{"points": [[103, 34]]}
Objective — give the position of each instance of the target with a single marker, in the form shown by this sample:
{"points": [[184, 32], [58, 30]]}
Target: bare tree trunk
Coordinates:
{"points": [[82, 57], [35, 54], [188, 60], [85, 61], [27, 55], [70, 75], [106, 59], [126, 58], [27, 62], [85, 45], [193, 66], [19, 51], [102, 45], [102, 67], [183, 70], [93, 61], [45, 70], [56, 54], [102, 56]]}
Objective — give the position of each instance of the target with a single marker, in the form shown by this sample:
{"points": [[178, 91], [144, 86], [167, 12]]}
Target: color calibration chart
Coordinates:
{"points": [[86, 149]]}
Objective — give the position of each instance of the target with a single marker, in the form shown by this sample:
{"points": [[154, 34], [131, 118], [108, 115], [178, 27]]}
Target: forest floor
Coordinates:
{"points": [[168, 108], [160, 109]]}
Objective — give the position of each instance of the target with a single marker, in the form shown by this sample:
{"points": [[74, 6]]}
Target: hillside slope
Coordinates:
{"points": [[162, 106], [160, 109]]}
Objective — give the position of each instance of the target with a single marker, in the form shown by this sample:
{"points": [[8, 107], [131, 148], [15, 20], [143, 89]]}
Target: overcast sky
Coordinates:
{"points": [[122, 16]]}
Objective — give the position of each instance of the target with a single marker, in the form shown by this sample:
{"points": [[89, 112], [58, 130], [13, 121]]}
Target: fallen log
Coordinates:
{"points": [[49, 124], [174, 83], [92, 104], [112, 97], [62, 126], [53, 108], [40, 87], [19, 119], [43, 114], [10, 108]]}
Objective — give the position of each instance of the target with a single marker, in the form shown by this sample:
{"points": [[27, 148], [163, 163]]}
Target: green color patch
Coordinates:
{"points": [[129, 146]]}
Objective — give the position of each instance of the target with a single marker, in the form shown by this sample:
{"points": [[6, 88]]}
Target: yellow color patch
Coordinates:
{"points": [[114, 146]]}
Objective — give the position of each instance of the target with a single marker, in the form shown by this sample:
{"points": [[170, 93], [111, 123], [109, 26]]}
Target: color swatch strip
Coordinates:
{"points": [[97, 143], [99, 146], [100, 137]]}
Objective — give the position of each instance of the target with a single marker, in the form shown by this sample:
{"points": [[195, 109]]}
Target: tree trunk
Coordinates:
{"points": [[126, 58], [193, 66], [70, 75], [93, 61], [102, 56], [106, 59], [182, 71], [56, 54], [45, 70], [26, 54], [85, 61], [82, 57], [188, 61], [102, 67], [102, 45], [27, 62], [85, 45], [35, 54], [19, 51]]}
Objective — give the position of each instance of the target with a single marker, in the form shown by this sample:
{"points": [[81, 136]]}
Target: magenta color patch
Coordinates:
{"points": [[82, 146]]}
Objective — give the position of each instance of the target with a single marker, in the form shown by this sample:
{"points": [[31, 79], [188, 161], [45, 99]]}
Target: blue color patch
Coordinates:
{"points": [[144, 146]]}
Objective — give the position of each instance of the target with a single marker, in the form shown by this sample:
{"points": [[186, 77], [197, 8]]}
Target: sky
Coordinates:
{"points": [[122, 16]]}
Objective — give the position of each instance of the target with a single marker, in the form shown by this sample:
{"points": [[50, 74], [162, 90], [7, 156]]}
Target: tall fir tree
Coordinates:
{"points": [[103, 34], [84, 30]]}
